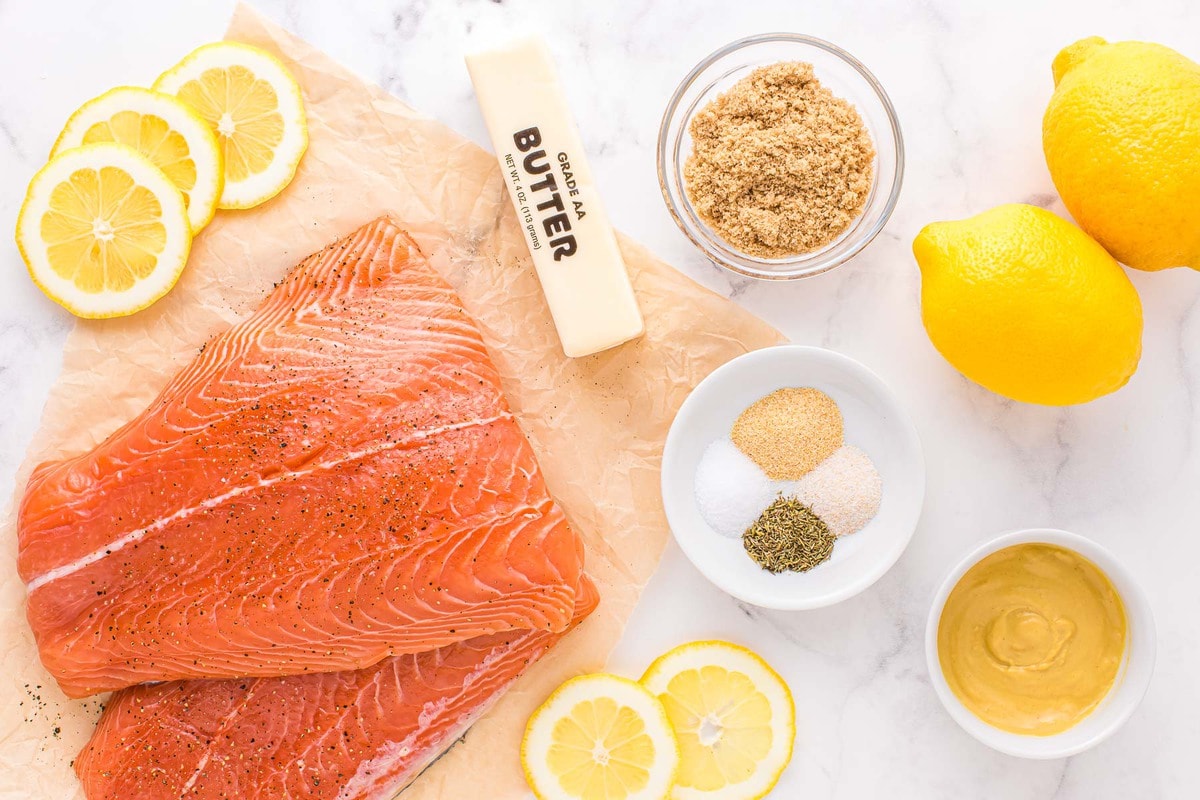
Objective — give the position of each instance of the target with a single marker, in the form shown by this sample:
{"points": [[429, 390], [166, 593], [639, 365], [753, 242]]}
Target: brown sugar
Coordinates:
{"points": [[780, 166], [789, 432]]}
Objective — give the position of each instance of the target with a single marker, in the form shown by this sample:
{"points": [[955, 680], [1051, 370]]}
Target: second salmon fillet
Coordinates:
{"points": [[361, 735], [336, 480]]}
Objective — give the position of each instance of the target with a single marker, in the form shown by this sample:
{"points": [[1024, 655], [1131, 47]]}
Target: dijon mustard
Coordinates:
{"points": [[1032, 638]]}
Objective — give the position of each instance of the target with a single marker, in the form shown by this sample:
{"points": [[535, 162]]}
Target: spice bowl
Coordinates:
{"points": [[1127, 691], [842, 74], [874, 421]]}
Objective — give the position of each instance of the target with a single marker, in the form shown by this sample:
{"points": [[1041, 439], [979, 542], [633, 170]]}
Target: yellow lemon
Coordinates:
{"points": [[600, 737], [255, 108], [103, 231], [168, 133], [733, 716], [1026, 304], [1122, 141]]}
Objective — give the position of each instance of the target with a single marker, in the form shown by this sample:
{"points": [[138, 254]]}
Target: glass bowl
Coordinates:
{"points": [[842, 74]]}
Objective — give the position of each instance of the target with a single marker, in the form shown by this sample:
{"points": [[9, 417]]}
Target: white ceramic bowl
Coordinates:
{"points": [[874, 422], [1128, 690]]}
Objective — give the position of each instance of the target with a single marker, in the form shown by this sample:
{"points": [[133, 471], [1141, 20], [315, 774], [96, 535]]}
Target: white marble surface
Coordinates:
{"points": [[970, 81]]}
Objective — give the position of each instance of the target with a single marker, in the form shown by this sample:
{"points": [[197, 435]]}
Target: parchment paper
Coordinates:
{"points": [[597, 424]]}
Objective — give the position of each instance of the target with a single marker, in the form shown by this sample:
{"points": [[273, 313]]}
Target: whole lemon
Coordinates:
{"points": [[1122, 141], [1026, 304]]}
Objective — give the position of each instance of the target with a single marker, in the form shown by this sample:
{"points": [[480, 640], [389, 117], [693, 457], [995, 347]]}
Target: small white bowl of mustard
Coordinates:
{"points": [[1040, 643]]}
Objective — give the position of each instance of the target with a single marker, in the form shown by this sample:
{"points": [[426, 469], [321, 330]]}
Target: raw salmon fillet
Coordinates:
{"points": [[360, 735], [336, 480]]}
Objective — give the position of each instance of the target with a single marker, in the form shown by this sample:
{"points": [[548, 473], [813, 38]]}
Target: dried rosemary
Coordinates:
{"points": [[788, 537]]}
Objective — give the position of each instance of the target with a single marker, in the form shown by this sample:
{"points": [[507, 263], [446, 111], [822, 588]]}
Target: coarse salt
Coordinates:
{"points": [[731, 490], [844, 490]]}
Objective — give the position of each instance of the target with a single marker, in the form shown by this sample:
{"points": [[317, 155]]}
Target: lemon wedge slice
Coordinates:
{"points": [[600, 737], [168, 133], [733, 716], [254, 106], [103, 231]]}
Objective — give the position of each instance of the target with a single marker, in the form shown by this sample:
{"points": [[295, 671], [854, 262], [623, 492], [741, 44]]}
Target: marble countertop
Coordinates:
{"points": [[970, 82]]}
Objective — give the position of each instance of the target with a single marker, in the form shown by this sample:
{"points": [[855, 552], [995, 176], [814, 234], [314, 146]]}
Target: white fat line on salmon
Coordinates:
{"points": [[136, 536]]}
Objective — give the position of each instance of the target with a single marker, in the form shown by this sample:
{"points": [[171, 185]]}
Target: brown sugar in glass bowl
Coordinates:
{"points": [[776, 237], [780, 166]]}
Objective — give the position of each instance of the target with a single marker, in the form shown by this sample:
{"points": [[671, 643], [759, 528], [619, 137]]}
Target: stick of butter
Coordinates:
{"points": [[541, 156]]}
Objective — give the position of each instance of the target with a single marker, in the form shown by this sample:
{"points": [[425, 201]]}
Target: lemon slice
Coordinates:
{"points": [[733, 716], [103, 231], [600, 737], [254, 106], [172, 136]]}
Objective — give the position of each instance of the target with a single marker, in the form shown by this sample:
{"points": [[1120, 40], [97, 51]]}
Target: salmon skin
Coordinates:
{"points": [[334, 481], [360, 735]]}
